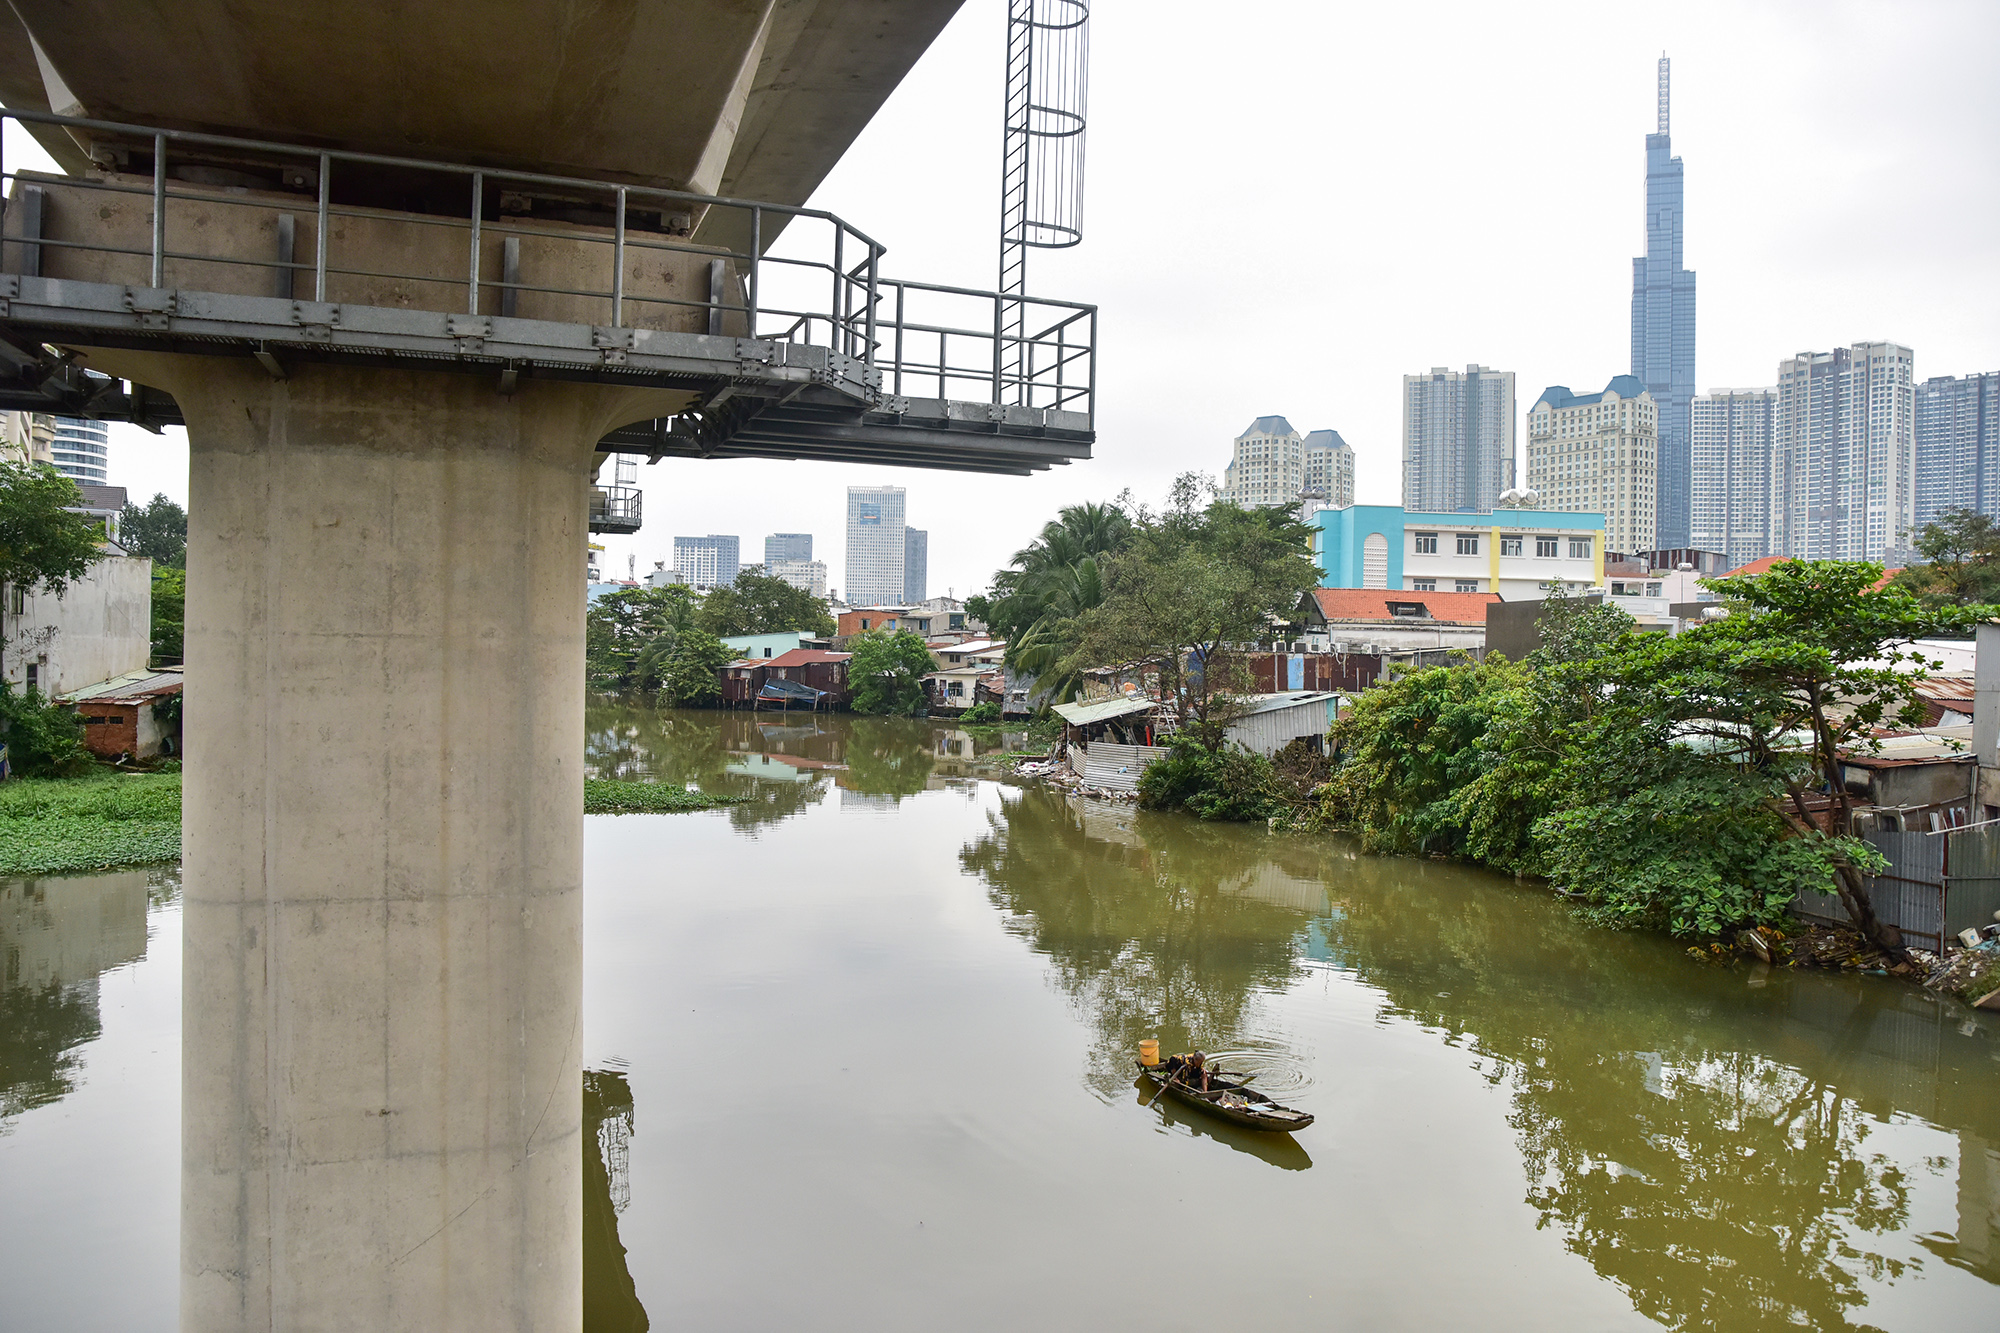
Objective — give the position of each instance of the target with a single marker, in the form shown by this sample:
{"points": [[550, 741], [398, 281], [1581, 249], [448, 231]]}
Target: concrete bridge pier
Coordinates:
{"points": [[383, 825]]}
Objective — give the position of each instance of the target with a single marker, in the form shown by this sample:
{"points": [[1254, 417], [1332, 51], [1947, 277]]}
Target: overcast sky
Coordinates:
{"points": [[1292, 205]]}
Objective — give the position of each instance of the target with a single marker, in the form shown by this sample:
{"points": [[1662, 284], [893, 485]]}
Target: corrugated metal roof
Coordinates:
{"points": [[1264, 703], [1079, 714], [1947, 689], [131, 685]]}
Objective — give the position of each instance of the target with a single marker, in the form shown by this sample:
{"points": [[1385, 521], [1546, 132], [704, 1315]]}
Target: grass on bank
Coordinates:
{"points": [[616, 796], [58, 826]]}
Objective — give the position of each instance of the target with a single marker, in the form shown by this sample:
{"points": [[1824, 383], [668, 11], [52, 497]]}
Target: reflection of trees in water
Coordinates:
{"points": [[57, 936], [1706, 1137], [1146, 934]]}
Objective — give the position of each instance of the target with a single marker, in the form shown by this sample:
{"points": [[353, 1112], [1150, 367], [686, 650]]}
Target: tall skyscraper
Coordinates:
{"points": [[1595, 453], [1267, 465], [1329, 468], [1844, 484], [787, 546], [809, 575], [1731, 479], [707, 562], [876, 545], [81, 450], [916, 562], [1458, 439], [1958, 445], [1663, 325]]}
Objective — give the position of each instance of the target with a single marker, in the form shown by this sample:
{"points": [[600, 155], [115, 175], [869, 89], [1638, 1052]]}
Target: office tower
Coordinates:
{"points": [[875, 545], [1663, 325], [706, 562], [1598, 453], [1731, 477], [1458, 439], [807, 574], [1844, 485], [787, 546], [1958, 445], [81, 450], [1267, 465], [1329, 471], [916, 559]]}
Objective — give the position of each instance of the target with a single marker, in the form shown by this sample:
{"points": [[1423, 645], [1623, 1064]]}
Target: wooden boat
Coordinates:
{"points": [[1226, 1096]]}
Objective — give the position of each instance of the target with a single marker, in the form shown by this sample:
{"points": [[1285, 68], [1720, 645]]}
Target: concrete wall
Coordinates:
{"points": [[100, 628]]}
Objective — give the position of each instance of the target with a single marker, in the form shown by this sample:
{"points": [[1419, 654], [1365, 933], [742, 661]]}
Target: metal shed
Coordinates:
{"points": [[1273, 721]]}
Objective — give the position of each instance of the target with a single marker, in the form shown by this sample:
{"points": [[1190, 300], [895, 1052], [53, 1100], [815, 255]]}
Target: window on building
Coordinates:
{"points": [[1510, 546], [767, 650], [1545, 546], [1468, 585], [1427, 543], [1652, 590], [1468, 543], [1579, 548], [17, 599], [1416, 585]]}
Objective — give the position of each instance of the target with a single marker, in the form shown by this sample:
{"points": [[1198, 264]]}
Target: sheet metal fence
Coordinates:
{"points": [[824, 288], [1937, 884]]}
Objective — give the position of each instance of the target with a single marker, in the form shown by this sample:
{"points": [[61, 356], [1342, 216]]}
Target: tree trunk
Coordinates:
{"points": [[1847, 879]]}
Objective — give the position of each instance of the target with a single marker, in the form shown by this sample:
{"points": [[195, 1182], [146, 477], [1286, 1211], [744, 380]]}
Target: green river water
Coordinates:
{"points": [[859, 1055]]}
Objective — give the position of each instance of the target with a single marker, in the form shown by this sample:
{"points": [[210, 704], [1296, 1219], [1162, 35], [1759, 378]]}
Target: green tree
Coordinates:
{"points": [[759, 604], [44, 544], [169, 614], [159, 531], [681, 664], [1056, 576], [1961, 560], [621, 626], [887, 672], [1195, 578]]}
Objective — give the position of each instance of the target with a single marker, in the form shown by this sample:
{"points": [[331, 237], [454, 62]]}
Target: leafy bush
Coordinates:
{"points": [[1227, 783], [981, 715], [43, 740]]}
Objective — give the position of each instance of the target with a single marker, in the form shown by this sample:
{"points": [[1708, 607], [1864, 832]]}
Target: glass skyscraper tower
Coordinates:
{"points": [[1663, 329]]}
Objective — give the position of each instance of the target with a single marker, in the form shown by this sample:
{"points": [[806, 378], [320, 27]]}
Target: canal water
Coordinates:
{"points": [[859, 1054]]}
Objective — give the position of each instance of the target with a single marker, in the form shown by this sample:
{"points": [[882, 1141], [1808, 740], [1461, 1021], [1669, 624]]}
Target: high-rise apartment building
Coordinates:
{"points": [[1663, 325], [1733, 473], [1598, 453], [1268, 466], [807, 574], [1844, 485], [916, 563], [81, 450], [707, 562], [876, 545], [1329, 471], [27, 437], [1958, 445], [787, 546], [1458, 439]]}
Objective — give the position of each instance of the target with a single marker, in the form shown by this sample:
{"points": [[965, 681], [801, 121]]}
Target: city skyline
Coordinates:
{"points": [[1763, 120]]}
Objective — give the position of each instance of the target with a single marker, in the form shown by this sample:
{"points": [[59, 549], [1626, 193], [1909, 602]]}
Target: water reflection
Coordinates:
{"points": [[610, 1298], [782, 764], [1723, 1145], [57, 936]]}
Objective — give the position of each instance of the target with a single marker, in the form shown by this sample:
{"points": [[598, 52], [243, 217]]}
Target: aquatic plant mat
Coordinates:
{"points": [[54, 826], [615, 796]]}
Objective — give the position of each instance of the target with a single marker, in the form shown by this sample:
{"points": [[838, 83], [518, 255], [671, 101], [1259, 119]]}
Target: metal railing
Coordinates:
{"points": [[616, 508], [823, 289]]}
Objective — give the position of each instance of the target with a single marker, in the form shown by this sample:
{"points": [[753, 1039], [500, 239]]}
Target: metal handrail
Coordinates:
{"points": [[865, 316]]}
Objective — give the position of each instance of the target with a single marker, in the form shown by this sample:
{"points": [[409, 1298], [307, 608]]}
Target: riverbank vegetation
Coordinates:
{"points": [[886, 673], [1683, 782], [666, 643], [57, 826]]}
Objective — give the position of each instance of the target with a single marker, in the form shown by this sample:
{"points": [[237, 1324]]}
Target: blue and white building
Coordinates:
{"points": [[1511, 552]]}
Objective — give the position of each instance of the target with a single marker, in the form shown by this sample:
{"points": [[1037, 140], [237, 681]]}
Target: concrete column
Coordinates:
{"points": [[383, 825]]}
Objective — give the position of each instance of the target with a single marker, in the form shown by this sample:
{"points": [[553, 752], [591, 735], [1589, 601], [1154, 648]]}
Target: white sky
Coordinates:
{"points": [[1293, 204]]}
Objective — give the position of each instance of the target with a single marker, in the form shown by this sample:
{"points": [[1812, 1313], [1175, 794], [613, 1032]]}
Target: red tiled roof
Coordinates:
{"points": [[804, 657], [1770, 562], [1451, 608]]}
